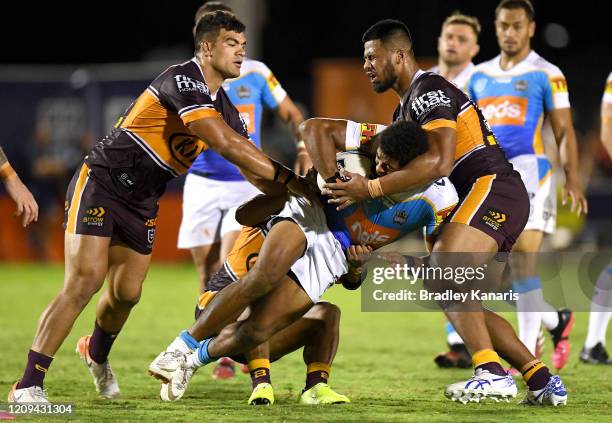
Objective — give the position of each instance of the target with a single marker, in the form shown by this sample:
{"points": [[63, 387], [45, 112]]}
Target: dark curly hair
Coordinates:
{"points": [[403, 141], [211, 23]]}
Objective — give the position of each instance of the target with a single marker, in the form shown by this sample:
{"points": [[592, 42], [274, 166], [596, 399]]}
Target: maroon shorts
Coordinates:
{"points": [[497, 205], [91, 209]]}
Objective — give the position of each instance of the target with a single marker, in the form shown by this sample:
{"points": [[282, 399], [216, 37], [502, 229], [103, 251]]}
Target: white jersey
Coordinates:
{"points": [[462, 78]]}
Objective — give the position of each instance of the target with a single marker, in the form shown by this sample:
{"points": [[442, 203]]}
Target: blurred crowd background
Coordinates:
{"points": [[67, 72]]}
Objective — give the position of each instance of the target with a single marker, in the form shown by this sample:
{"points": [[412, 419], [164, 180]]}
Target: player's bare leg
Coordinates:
{"points": [[283, 245], [207, 261], [126, 273], [83, 278]]}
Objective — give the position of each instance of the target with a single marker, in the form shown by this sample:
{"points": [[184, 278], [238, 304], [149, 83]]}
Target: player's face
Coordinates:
{"points": [[514, 30], [385, 164], [228, 53], [457, 44], [378, 65]]}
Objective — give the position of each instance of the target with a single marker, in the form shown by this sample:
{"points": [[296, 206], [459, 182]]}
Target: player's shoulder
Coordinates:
{"points": [[250, 66], [537, 62], [182, 77], [487, 67]]}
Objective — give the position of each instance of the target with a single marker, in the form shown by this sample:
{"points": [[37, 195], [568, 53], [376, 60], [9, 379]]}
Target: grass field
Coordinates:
{"points": [[384, 363]]}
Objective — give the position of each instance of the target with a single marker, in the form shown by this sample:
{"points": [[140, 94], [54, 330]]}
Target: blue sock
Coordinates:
{"points": [[522, 286], [203, 355], [189, 340]]}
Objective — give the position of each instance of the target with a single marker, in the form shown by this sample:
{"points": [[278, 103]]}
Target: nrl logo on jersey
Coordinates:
{"points": [[186, 84], [429, 101]]}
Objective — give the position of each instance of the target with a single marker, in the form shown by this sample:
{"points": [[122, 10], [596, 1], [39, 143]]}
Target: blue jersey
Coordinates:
{"points": [[516, 101], [380, 221], [255, 88]]}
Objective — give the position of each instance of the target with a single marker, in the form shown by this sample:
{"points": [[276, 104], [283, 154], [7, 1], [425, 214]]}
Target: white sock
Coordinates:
{"points": [[550, 318], [601, 309], [180, 345], [529, 308]]}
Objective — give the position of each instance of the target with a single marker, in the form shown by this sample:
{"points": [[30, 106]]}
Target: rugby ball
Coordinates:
{"points": [[351, 161]]}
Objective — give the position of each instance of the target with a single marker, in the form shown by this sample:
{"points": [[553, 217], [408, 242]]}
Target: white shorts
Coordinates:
{"points": [[537, 175], [209, 209], [324, 261]]}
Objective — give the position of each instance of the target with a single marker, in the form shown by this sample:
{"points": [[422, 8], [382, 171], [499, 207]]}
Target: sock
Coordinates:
{"points": [[184, 343], [316, 373], [200, 356], [601, 309], [100, 344], [35, 370], [452, 337], [536, 375], [259, 369], [488, 360]]}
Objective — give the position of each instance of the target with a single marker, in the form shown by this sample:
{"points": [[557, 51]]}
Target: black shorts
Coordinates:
{"points": [[92, 209], [497, 205]]}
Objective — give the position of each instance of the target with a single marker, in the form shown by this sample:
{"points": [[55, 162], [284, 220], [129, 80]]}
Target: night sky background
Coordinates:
{"points": [[296, 33]]}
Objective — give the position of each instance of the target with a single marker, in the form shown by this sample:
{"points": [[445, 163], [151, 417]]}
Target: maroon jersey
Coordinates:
{"points": [[151, 142], [433, 102]]}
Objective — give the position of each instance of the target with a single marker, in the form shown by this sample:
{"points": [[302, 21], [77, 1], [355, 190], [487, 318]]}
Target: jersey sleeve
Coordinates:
{"points": [[434, 103], [556, 95], [358, 134], [185, 93], [607, 97], [272, 92]]}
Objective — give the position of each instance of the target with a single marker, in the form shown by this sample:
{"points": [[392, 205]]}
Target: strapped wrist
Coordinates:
{"points": [[374, 188], [6, 172]]}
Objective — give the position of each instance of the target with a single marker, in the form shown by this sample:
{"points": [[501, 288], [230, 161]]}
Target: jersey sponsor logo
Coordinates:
{"points": [[94, 216], [494, 219], [480, 85], [367, 132], [243, 91], [186, 84], [272, 82], [400, 217], [429, 101], [521, 85], [558, 84], [185, 148], [363, 236], [247, 113], [151, 222], [504, 110]]}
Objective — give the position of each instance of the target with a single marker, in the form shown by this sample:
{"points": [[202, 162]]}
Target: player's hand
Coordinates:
{"points": [[349, 192], [302, 187], [357, 255], [578, 202], [302, 162], [23, 198]]}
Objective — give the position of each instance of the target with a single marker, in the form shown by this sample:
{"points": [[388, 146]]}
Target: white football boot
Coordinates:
{"points": [[554, 393], [482, 385], [179, 379], [33, 395], [103, 377]]}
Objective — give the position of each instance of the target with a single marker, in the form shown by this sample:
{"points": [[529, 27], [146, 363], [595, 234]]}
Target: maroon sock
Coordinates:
{"points": [[100, 344], [260, 375], [492, 367], [35, 371], [539, 379], [312, 378]]}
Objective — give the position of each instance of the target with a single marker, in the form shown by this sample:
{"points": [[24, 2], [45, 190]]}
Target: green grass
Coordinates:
{"points": [[384, 363]]}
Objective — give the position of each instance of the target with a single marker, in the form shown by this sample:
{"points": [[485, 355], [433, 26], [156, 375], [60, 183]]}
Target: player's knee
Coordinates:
{"points": [[326, 312], [252, 334], [127, 298]]}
